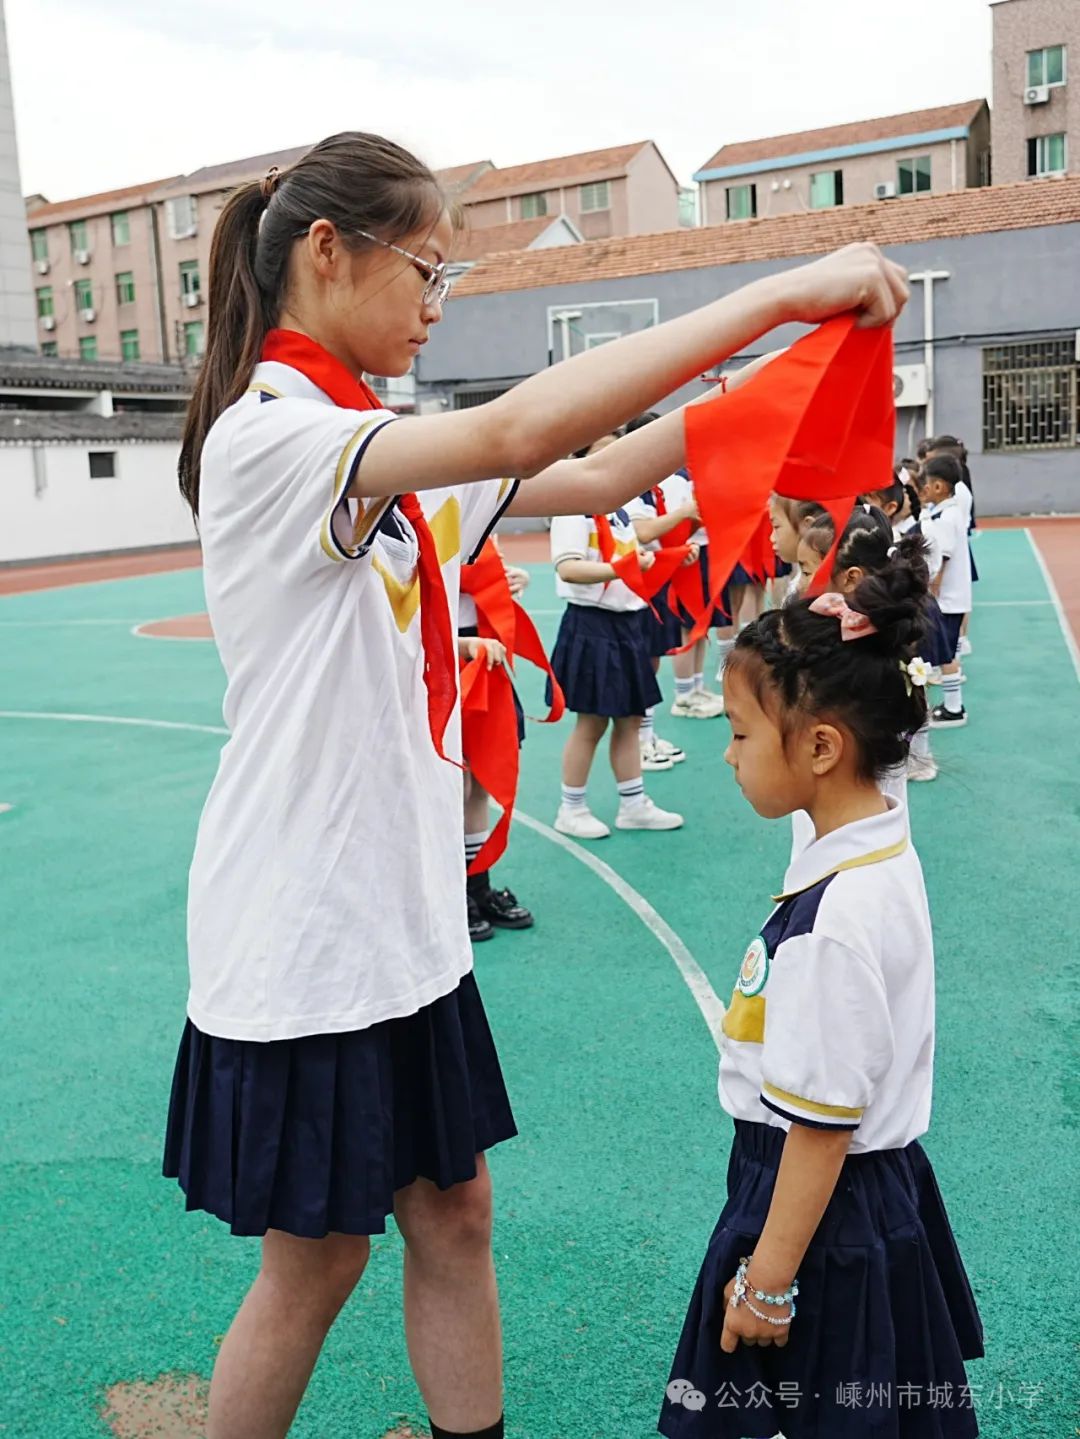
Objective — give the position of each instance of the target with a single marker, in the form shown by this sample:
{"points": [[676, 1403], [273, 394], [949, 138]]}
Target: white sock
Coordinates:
{"points": [[573, 796], [952, 692], [683, 688], [920, 742], [725, 647], [631, 792], [645, 730], [474, 843], [699, 680]]}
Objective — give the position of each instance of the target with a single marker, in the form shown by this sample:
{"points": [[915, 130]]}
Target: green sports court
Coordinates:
{"points": [[114, 1297]]}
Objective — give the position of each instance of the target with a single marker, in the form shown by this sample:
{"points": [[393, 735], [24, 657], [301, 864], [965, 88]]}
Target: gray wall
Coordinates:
{"points": [[1012, 283], [18, 325]]}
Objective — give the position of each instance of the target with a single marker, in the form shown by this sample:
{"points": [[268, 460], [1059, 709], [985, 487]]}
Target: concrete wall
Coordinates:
{"points": [[51, 506], [1015, 283], [1020, 26], [17, 325]]}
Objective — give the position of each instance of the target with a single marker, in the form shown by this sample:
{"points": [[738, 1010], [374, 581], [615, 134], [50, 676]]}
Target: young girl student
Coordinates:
{"points": [[832, 1271], [943, 518], [336, 1066], [603, 661]]}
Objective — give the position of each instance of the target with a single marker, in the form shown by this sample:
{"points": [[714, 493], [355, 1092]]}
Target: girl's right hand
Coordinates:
{"points": [[858, 277], [646, 559]]}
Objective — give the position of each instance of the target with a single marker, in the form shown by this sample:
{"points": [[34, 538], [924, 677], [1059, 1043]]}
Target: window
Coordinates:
{"points": [[1046, 67], [88, 347], [596, 196], [741, 202], [39, 244], [121, 228], [189, 277], [826, 189], [193, 339], [913, 176], [687, 206], [129, 344], [533, 206], [80, 239], [1046, 155], [1030, 396], [125, 287], [182, 216], [49, 350], [84, 294], [103, 464], [45, 302], [575, 328]]}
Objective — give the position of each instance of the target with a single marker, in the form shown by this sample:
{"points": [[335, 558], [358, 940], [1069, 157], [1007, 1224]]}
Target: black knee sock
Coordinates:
{"points": [[496, 1431]]}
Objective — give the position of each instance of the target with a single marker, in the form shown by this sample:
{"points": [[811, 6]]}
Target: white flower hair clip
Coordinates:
{"points": [[915, 672]]}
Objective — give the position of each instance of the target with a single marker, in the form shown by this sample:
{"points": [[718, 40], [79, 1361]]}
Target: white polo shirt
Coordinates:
{"points": [[327, 889], [574, 537], [678, 490], [831, 1022], [947, 526]]}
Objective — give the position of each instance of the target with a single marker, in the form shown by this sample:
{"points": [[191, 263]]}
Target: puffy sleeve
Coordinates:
{"points": [[828, 1033], [570, 538]]}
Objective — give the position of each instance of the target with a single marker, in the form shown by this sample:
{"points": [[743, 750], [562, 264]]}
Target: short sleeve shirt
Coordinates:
{"points": [[327, 888], [947, 526], [574, 537]]}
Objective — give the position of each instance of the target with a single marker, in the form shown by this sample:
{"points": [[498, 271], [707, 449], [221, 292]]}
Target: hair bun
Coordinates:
{"points": [[894, 601]]}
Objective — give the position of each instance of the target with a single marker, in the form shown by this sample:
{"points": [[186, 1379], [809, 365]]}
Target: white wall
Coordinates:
{"points": [[49, 505], [18, 325]]}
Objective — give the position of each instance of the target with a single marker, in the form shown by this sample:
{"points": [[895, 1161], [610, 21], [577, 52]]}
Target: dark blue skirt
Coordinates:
{"points": [[936, 643], [884, 1302], [472, 632], [314, 1135], [974, 566], [720, 616], [602, 660], [665, 632]]}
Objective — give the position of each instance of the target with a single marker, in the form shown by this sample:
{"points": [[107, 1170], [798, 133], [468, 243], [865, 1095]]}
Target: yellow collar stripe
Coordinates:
{"points": [[831, 1111], [874, 857], [261, 389]]}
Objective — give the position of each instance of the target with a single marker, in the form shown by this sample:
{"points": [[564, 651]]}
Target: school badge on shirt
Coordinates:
{"points": [[755, 969]]}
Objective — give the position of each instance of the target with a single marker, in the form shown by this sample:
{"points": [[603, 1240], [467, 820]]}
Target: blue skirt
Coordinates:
{"points": [[884, 1303], [720, 616], [936, 648], [602, 660], [314, 1135], [665, 633]]}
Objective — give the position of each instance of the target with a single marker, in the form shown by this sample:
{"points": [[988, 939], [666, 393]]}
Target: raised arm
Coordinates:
{"points": [[564, 408]]}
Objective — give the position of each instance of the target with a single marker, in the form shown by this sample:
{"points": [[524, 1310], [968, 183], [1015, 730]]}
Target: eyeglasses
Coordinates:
{"points": [[438, 287]]}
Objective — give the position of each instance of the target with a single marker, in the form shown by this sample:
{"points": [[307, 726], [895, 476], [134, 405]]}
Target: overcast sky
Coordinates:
{"points": [[117, 92]]}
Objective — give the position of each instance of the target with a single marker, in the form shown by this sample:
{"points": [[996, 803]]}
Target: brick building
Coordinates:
{"points": [[1036, 118]]}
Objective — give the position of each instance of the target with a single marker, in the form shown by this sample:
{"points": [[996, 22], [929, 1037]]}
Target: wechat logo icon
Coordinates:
{"points": [[681, 1391]]}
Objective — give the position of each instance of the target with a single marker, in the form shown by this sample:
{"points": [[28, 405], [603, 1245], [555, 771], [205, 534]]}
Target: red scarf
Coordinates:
{"points": [[818, 423], [645, 583], [300, 352], [488, 717]]}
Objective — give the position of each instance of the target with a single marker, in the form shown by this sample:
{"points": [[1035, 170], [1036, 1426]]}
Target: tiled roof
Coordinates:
{"points": [[478, 240], [37, 372], [21, 427], [914, 122], [233, 172], [84, 206], [546, 174], [456, 178], [1022, 206]]}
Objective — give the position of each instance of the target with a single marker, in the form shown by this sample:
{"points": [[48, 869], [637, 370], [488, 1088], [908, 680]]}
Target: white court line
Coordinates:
{"points": [[1007, 604], [1055, 600], [54, 624], [139, 632], [696, 980]]}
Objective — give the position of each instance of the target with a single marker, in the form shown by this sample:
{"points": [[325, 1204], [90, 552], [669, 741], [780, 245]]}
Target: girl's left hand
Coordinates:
{"points": [[517, 579], [741, 1325], [692, 557], [493, 649]]}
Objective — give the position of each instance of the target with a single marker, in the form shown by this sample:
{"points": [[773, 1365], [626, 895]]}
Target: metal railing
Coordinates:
{"points": [[1030, 393]]}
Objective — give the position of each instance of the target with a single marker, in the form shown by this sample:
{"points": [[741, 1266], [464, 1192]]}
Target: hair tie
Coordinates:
{"points": [[269, 183], [891, 551], [854, 625]]}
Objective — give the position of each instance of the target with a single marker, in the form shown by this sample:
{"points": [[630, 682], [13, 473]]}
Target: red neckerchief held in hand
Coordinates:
{"points": [[489, 736], [644, 583], [818, 423], [300, 352]]}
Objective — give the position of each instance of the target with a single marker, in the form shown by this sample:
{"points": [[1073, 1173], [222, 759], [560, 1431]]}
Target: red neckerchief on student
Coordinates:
{"points": [[818, 423], [300, 352], [489, 737], [644, 583]]}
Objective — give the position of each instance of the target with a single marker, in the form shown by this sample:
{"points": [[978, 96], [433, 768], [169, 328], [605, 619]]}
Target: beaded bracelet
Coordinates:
{"points": [[777, 1323], [776, 1300]]}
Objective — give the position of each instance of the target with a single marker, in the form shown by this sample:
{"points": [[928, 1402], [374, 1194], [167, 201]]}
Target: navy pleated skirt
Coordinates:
{"points": [[885, 1312], [603, 661], [974, 566], [937, 646], [314, 1135], [664, 629], [720, 616]]}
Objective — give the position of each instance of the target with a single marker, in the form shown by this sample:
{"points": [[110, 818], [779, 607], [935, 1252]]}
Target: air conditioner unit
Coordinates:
{"points": [[885, 191], [48, 322], [1036, 94], [911, 386], [41, 266], [82, 257], [191, 299], [89, 314]]}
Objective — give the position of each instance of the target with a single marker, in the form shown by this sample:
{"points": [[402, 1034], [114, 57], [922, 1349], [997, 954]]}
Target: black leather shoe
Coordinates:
{"points": [[479, 928], [502, 909]]}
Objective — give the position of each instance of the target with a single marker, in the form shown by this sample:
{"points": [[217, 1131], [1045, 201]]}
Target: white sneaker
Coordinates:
{"points": [[922, 767], [653, 759], [672, 751], [579, 822], [698, 705], [646, 815], [964, 647]]}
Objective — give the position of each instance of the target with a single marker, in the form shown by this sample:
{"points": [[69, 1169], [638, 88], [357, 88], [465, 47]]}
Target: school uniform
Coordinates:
{"points": [[936, 641], [678, 490], [603, 654], [831, 1025], [664, 629], [336, 1046], [945, 522], [966, 500]]}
